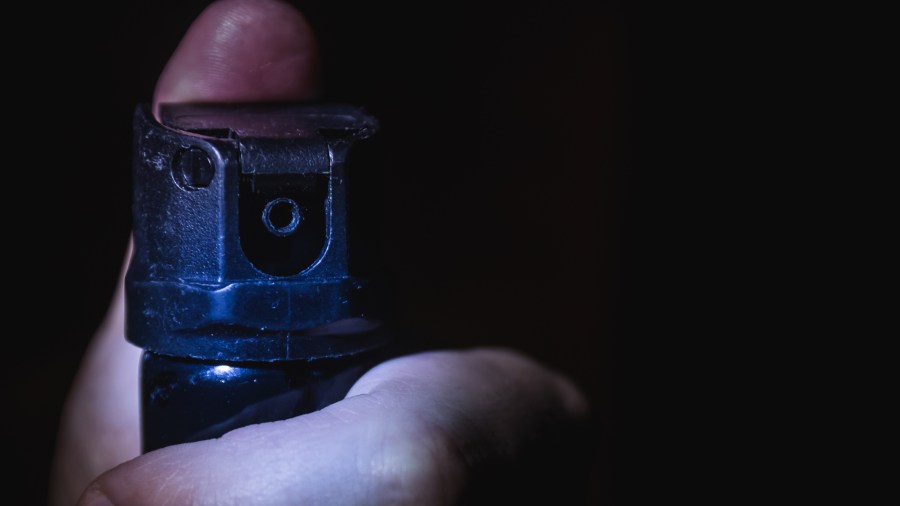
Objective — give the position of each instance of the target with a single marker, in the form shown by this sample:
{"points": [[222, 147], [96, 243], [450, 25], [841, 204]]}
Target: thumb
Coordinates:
{"points": [[243, 51], [429, 428]]}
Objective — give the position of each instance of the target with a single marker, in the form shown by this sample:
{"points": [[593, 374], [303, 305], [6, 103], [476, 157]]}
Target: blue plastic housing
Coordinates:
{"points": [[240, 234]]}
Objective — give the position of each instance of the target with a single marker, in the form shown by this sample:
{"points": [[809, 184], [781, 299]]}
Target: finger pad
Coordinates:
{"points": [[239, 50]]}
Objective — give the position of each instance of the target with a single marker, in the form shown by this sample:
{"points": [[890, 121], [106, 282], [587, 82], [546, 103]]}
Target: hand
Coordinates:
{"points": [[443, 427]]}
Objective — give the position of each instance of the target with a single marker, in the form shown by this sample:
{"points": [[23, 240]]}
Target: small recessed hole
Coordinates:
{"points": [[281, 216]]}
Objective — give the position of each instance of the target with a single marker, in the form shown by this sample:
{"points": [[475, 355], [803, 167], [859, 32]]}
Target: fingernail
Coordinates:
{"points": [[94, 497]]}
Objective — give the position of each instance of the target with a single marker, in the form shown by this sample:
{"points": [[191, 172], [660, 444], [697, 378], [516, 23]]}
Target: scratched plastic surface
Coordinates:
{"points": [[241, 289]]}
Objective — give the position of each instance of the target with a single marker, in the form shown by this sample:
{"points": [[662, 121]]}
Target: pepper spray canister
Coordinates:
{"points": [[241, 288]]}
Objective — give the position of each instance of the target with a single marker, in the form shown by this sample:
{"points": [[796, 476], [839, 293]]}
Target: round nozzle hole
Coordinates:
{"points": [[281, 216]]}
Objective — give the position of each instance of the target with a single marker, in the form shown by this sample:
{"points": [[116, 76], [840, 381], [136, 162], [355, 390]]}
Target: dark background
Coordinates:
{"points": [[568, 179]]}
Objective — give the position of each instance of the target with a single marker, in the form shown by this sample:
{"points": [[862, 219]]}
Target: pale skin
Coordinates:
{"points": [[413, 430]]}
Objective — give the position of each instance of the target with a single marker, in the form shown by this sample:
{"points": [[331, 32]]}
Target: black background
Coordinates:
{"points": [[568, 179]]}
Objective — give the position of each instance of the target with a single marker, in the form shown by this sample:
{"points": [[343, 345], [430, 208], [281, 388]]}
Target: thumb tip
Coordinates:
{"points": [[242, 51]]}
